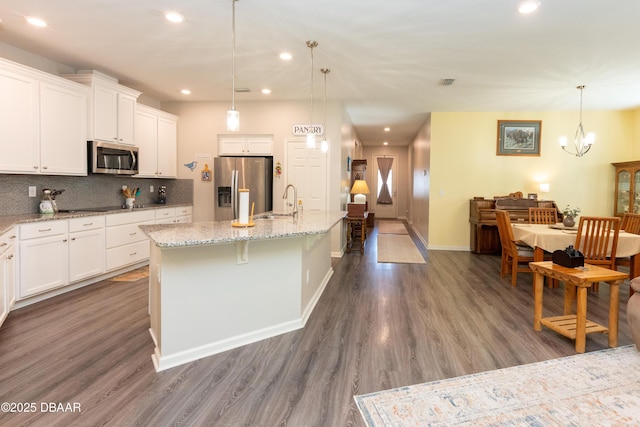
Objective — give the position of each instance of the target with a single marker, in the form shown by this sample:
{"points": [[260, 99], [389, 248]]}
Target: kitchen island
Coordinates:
{"points": [[214, 287]]}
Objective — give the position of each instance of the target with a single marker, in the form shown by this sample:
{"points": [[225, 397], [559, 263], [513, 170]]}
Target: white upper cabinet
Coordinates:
{"points": [[20, 130], [167, 147], [113, 108], [63, 129], [156, 137], [245, 145], [44, 122]]}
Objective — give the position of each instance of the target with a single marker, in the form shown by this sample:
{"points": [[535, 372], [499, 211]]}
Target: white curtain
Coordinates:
{"points": [[384, 165]]}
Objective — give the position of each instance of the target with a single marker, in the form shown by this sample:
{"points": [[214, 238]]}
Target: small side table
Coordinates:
{"points": [[576, 326], [356, 225]]}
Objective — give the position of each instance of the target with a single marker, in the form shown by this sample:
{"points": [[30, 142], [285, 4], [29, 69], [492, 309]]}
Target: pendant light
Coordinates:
{"points": [[233, 116], [324, 144], [311, 136], [582, 142]]}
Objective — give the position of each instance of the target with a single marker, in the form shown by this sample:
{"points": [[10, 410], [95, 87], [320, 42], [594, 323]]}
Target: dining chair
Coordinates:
{"points": [[595, 236], [513, 253], [543, 216], [631, 223]]}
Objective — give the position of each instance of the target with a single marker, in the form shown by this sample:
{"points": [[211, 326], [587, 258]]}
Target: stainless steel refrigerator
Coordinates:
{"points": [[233, 173]]}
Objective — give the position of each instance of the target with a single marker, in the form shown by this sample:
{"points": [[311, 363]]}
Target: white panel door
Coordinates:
{"points": [[307, 171], [384, 210]]}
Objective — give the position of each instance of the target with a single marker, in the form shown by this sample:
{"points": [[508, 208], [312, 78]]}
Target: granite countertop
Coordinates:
{"points": [[266, 227], [8, 221]]}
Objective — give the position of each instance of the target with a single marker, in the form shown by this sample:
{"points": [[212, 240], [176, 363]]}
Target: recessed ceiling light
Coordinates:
{"points": [[38, 22], [266, 91], [286, 56], [528, 6], [387, 129], [385, 143], [174, 16], [185, 92]]}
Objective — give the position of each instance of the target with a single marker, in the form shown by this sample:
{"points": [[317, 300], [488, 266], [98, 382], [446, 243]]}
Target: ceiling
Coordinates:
{"points": [[386, 57]]}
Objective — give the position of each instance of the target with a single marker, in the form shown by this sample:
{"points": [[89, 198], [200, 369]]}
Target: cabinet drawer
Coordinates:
{"points": [[130, 217], [184, 210], [165, 213], [7, 239], [42, 229], [86, 223], [125, 234], [127, 254]]}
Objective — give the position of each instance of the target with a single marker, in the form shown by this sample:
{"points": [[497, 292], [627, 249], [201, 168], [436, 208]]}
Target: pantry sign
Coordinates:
{"points": [[301, 130]]}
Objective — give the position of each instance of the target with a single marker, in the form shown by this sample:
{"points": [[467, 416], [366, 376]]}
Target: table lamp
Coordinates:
{"points": [[360, 188]]}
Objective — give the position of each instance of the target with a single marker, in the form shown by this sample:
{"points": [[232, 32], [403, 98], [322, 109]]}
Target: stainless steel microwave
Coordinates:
{"points": [[115, 159]]}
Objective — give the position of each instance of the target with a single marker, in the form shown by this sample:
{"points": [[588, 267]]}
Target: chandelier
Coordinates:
{"points": [[582, 141]]}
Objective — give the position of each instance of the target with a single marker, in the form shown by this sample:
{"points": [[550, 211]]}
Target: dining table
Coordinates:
{"points": [[551, 237]]}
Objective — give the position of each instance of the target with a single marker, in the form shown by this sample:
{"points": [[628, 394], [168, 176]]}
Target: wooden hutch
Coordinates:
{"points": [[627, 196]]}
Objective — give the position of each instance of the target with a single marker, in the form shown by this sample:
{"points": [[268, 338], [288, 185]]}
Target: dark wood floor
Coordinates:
{"points": [[377, 326]]}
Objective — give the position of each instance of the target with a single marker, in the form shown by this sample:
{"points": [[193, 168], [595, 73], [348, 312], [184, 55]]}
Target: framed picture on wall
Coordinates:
{"points": [[519, 138]]}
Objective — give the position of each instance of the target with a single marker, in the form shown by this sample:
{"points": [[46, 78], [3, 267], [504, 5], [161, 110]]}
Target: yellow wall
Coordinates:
{"points": [[464, 164]]}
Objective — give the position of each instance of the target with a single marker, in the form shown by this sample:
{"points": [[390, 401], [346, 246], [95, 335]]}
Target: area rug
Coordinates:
{"points": [[598, 388], [391, 227], [132, 276], [398, 248]]}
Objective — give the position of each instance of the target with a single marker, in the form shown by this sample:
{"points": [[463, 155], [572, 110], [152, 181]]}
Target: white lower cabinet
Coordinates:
{"points": [[174, 215], [126, 243], [44, 257], [7, 273], [86, 247], [57, 253]]}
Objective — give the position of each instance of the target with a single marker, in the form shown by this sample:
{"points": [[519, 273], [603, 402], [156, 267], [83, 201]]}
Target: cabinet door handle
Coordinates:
{"points": [[73, 238], [44, 230], [133, 253], [64, 240], [44, 167], [133, 234], [3, 244], [12, 237], [10, 256], [86, 225]]}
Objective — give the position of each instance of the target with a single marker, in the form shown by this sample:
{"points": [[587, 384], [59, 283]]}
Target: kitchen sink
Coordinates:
{"points": [[274, 216]]}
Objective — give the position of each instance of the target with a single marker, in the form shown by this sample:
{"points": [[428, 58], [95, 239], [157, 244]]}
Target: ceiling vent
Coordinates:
{"points": [[242, 89], [446, 82]]}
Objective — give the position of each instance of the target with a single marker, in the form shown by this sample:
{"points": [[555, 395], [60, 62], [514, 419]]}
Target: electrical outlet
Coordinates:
{"points": [[32, 191], [151, 189]]}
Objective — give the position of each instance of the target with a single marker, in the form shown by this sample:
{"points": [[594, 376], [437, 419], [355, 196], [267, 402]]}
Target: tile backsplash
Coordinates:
{"points": [[83, 192]]}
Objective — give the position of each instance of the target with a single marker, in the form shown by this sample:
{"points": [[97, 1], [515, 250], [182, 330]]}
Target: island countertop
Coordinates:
{"points": [[267, 226]]}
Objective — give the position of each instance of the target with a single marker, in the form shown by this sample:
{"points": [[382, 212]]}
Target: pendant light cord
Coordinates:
{"points": [[233, 54], [311, 118]]}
